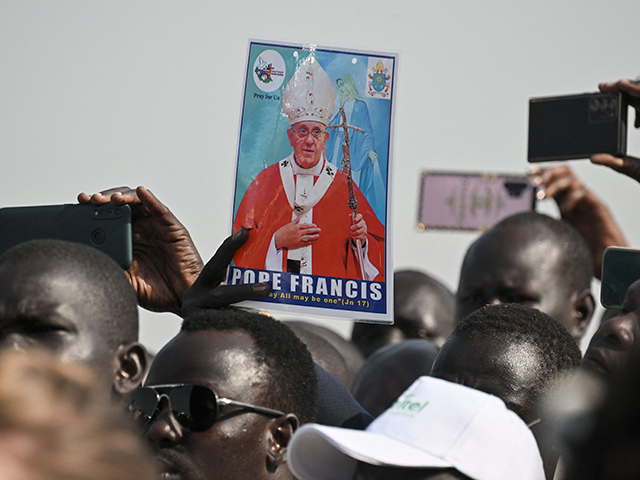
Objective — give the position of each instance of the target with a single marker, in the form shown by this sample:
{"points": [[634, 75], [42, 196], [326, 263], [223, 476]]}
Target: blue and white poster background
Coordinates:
{"points": [[263, 141]]}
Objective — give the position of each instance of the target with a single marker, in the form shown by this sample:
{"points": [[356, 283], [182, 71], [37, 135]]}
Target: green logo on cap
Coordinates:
{"points": [[407, 406]]}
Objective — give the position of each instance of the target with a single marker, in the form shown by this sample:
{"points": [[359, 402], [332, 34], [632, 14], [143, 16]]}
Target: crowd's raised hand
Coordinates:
{"points": [[165, 259], [626, 165], [581, 208], [166, 262]]}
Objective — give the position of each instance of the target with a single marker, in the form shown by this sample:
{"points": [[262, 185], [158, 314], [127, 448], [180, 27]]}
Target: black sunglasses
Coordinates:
{"points": [[195, 407]]}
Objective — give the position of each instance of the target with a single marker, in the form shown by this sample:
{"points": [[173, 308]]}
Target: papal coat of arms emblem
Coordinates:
{"points": [[378, 83]]}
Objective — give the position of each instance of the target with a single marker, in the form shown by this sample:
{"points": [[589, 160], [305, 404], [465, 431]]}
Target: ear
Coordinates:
{"points": [[584, 307], [291, 136], [130, 368], [281, 430]]}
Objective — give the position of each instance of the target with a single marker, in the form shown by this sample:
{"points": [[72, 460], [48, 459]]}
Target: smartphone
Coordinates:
{"points": [[106, 227], [620, 269], [577, 126], [472, 201]]}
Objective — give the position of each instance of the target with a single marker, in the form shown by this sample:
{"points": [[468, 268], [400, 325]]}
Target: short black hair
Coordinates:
{"points": [[516, 323], [295, 385], [110, 297], [576, 261]]}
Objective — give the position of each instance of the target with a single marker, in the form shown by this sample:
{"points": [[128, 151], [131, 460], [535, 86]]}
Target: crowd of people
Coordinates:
{"points": [[486, 383]]}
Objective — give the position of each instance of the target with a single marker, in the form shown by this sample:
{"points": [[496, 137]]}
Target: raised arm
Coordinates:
{"points": [[167, 272], [582, 209]]}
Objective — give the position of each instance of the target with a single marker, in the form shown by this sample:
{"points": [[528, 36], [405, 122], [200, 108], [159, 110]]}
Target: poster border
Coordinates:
{"points": [[380, 318]]}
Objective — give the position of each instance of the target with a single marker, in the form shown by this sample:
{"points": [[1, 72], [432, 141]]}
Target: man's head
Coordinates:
{"points": [[241, 356], [308, 140], [612, 342], [422, 308], [516, 353], [351, 354], [57, 424], [390, 371], [533, 260], [511, 351], [609, 447], [323, 353], [74, 301]]}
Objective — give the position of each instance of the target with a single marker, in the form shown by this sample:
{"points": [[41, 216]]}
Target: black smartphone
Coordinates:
{"points": [[472, 201], [620, 269], [106, 227], [577, 126]]}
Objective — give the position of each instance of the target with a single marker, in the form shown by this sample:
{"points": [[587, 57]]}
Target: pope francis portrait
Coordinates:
{"points": [[297, 210]]}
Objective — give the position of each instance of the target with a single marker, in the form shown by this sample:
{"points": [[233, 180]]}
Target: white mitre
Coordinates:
{"points": [[309, 96]]}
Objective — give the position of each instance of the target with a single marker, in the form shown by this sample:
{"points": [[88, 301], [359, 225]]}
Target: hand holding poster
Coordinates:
{"points": [[312, 182]]}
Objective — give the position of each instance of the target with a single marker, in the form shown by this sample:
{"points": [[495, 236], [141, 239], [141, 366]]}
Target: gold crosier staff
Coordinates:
{"points": [[346, 169]]}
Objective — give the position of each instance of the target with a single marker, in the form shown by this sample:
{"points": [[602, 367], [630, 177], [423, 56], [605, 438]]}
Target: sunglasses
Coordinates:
{"points": [[195, 407]]}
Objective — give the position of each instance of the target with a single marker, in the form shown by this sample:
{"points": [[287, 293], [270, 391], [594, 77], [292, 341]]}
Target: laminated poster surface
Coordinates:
{"points": [[313, 180]]}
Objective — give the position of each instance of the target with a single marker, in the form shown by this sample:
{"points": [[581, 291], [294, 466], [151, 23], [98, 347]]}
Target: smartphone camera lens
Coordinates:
{"points": [[103, 212], [98, 236], [110, 212], [515, 189], [118, 211]]}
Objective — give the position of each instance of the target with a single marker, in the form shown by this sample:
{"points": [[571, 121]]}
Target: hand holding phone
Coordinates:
{"points": [[165, 259], [624, 164], [629, 87], [627, 165]]}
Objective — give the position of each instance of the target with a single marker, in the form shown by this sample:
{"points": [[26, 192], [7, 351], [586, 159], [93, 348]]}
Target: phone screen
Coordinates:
{"points": [[620, 269], [105, 227], [472, 201]]}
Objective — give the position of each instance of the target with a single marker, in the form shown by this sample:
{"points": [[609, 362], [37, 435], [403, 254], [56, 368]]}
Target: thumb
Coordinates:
{"points": [[216, 268]]}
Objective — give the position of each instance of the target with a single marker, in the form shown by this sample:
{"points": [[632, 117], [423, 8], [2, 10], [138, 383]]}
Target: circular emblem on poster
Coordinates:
{"points": [[269, 70]]}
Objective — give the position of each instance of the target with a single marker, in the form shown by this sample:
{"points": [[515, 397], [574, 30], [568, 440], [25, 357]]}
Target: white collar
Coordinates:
{"points": [[326, 173], [315, 170]]}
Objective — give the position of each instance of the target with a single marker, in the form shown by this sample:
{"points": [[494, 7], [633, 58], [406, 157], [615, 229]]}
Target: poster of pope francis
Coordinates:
{"points": [[313, 180]]}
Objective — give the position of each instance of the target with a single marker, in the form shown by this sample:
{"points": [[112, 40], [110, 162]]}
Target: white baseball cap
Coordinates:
{"points": [[434, 424]]}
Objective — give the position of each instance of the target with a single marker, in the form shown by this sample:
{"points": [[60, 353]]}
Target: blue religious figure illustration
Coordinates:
{"points": [[365, 169]]}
